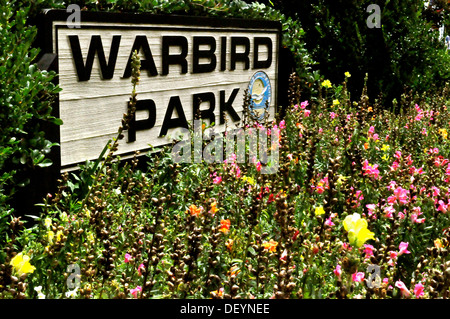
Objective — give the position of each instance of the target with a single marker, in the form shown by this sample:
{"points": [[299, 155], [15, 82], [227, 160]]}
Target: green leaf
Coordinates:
{"points": [[45, 163]]}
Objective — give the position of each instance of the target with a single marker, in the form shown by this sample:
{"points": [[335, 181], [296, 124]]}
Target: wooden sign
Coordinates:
{"points": [[189, 65]]}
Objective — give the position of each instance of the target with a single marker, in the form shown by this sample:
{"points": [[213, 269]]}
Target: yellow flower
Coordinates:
{"points": [[443, 132], [249, 180], [336, 102], [347, 74], [385, 148], [385, 157], [319, 211], [21, 264], [59, 235], [90, 237], [357, 230], [326, 84], [341, 179], [50, 236], [48, 222]]}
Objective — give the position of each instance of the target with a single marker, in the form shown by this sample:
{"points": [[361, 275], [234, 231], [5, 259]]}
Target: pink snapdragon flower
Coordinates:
{"points": [[135, 291], [370, 170], [443, 207], [419, 290], [392, 258], [414, 216], [401, 195], [217, 180], [388, 211], [413, 170], [368, 250], [435, 190], [401, 285], [440, 161], [304, 104], [403, 248], [337, 271], [394, 166], [329, 221], [358, 276], [128, 258], [371, 208]]}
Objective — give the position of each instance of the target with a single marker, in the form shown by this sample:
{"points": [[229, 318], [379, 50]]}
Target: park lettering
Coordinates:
{"points": [[199, 53], [203, 48]]}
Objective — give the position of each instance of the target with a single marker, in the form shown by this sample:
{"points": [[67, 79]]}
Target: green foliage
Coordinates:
{"points": [[403, 54], [174, 230], [25, 102]]}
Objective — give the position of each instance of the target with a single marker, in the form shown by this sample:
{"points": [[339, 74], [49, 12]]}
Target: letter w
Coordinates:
{"points": [[84, 71]]}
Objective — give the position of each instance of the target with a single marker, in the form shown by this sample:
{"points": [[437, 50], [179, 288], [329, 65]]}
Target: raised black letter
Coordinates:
{"points": [[257, 64], [84, 71], [140, 125], [205, 54], [241, 56], [227, 106], [223, 53], [141, 42], [168, 59], [169, 122]]}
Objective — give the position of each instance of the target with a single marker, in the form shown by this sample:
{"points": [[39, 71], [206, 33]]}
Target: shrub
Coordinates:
{"points": [[25, 101], [403, 54]]}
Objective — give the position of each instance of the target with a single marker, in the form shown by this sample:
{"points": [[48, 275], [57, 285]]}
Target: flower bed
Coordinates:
{"points": [[357, 208]]}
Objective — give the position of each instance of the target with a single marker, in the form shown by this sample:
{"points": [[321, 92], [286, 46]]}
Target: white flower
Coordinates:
{"points": [[38, 289], [72, 293]]}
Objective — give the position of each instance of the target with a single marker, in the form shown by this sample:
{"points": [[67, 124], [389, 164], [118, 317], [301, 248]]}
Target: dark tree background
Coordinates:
{"points": [[403, 54]]}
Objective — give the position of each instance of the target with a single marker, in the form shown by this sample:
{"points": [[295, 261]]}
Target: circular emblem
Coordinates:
{"points": [[260, 92]]}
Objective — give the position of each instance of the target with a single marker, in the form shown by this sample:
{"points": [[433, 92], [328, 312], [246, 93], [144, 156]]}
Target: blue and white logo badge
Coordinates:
{"points": [[260, 91]]}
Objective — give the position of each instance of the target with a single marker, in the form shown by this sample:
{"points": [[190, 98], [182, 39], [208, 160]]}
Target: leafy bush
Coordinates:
{"points": [[25, 101], [403, 54]]}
